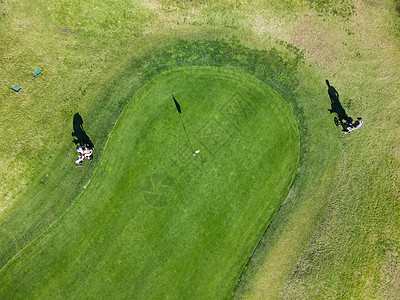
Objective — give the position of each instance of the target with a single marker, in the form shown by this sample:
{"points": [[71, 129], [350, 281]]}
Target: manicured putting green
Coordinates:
{"points": [[158, 222]]}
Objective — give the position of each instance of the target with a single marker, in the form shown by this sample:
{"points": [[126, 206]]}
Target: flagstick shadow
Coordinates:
{"points": [[178, 108]]}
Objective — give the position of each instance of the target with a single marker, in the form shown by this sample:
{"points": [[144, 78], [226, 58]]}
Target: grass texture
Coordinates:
{"points": [[336, 233]]}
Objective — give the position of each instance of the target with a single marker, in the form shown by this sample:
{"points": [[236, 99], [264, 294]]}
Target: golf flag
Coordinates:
{"points": [[178, 107]]}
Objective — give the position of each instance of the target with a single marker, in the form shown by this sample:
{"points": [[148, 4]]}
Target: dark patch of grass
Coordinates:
{"points": [[340, 8], [3, 9], [269, 66]]}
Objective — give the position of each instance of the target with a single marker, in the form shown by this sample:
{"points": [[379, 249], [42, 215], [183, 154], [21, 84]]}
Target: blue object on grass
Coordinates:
{"points": [[16, 88], [37, 72]]}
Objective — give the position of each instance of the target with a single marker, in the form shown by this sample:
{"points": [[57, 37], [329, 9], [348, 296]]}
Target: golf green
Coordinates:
{"points": [[158, 222]]}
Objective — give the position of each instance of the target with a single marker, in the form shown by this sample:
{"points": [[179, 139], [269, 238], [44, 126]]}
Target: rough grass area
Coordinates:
{"points": [[335, 236]]}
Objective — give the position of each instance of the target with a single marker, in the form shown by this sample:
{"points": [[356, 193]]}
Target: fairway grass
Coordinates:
{"points": [[158, 222]]}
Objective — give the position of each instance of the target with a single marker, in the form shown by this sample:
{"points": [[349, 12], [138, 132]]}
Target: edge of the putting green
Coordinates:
{"points": [[76, 199], [226, 70]]}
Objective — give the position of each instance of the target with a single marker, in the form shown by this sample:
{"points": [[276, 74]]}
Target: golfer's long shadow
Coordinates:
{"points": [[79, 133], [336, 106]]}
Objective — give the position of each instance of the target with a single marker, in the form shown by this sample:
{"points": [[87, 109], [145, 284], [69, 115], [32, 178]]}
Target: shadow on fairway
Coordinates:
{"points": [[81, 138], [336, 106]]}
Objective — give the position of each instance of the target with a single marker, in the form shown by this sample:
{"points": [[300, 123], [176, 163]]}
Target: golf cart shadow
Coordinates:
{"points": [[341, 118], [81, 138]]}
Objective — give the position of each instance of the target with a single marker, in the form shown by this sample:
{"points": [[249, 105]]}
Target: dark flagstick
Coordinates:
{"points": [[178, 107]]}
